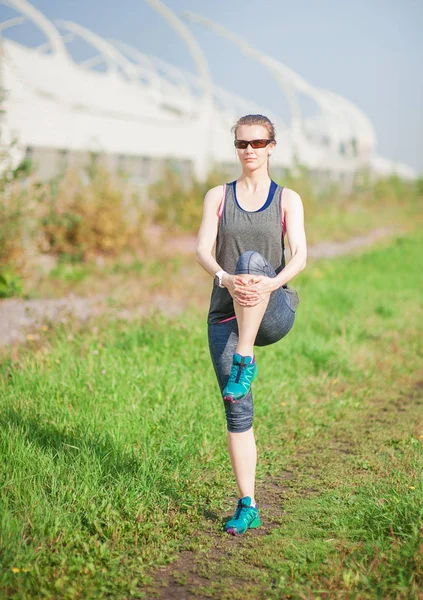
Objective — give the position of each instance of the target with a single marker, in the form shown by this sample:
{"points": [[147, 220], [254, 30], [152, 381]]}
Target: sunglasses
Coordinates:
{"points": [[242, 144]]}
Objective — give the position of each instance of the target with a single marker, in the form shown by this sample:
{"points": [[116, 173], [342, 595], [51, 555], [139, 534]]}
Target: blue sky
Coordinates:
{"points": [[369, 51]]}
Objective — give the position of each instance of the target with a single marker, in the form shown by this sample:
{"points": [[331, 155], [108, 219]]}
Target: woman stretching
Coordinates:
{"points": [[251, 304]]}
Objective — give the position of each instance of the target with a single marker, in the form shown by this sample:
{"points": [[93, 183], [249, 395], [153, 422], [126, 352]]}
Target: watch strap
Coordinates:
{"points": [[218, 277]]}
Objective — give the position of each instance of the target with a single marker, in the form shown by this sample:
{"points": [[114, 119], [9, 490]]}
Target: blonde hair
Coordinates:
{"points": [[257, 120]]}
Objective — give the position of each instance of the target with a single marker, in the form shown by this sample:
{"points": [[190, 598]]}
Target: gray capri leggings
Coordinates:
{"points": [[223, 338]]}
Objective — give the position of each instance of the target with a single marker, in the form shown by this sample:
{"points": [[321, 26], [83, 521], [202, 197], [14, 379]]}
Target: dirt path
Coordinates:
{"points": [[20, 318], [179, 579], [192, 575], [333, 249]]}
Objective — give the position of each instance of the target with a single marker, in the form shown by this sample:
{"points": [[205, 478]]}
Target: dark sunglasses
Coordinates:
{"points": [[242, 144]]}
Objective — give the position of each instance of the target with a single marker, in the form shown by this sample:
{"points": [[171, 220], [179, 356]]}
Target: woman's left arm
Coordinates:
{"points": [[294, 218]]}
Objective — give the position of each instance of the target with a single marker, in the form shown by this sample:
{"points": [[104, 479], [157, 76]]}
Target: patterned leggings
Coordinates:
{"points": [[223, 338]]}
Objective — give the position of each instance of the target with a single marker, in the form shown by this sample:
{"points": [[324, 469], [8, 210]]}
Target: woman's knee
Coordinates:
{"points": [[251, 261]]}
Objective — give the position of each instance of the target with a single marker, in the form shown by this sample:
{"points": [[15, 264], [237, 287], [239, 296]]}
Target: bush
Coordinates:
{"points": [[81, 219], [81, 214], [76, 216], [17, 219], [10, 284], [327, 206], [12, 227], [178, 205]]}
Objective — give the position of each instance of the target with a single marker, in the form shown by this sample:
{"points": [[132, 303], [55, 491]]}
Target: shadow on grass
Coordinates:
{"points": [[149, 472]]}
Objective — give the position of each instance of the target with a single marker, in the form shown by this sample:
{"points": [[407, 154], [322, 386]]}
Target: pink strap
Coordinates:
{"points": [[282, 217], [228, 319], [222, 204]]}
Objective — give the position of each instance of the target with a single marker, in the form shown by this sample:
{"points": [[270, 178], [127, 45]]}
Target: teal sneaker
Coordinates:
{"points": [[245, 516], [244, 371]]}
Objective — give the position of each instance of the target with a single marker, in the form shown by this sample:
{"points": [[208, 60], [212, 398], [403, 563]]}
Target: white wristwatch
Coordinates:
{"points": [[218, 278]]}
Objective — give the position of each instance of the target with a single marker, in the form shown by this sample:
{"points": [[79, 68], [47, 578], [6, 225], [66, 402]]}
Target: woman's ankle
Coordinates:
{"points": [[245, 351], [253, 501]]}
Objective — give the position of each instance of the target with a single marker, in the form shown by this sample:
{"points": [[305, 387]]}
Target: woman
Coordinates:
{"points": [[251, 305]]}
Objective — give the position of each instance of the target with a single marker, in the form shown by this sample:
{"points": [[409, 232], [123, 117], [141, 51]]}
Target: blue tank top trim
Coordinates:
{"points": [[272, 190]]}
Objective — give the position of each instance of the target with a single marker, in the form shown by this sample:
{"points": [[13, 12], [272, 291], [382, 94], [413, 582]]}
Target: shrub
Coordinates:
{"points": [[75, 216], [83, 218], [17, 216], [179, 205], [10, 284]]}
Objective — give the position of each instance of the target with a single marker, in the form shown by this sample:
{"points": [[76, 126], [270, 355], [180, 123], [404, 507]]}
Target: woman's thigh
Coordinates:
{"points": [[279, 316], [278, 319], [223, 337]]}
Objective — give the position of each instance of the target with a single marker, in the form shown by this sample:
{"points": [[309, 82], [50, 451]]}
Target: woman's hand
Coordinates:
{"points": [[249, 290]]}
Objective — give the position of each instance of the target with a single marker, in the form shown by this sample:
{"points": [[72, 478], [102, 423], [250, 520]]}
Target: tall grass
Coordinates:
{"points": [[77, 216], [81, 215], [177, 203], [331, 213], [81, 218]]}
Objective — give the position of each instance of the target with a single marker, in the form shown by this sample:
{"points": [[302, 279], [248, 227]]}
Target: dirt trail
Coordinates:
{"points": [[18, 317], [190, 576], [179, 579]]}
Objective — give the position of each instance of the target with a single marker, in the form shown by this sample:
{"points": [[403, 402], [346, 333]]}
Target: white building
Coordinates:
{"points": [[139, 112]]}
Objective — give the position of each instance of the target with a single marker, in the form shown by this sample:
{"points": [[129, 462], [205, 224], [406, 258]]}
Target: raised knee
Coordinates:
{"points": [[250, 261]]}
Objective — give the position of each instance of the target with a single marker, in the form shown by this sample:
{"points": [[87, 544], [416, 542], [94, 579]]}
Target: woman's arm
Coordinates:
{"points": [[294, 218], [208, 231]]}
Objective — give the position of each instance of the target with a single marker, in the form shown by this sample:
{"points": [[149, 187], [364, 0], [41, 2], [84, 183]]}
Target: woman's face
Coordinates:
{"points": [[253, 158]]}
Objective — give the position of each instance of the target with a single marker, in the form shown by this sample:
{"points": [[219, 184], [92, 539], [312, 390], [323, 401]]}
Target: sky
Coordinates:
{"points": [[370, 51]]}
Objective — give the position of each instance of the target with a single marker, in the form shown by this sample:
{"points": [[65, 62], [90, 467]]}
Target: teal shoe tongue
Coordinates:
{"points": [[246, 500], [237, 359]]}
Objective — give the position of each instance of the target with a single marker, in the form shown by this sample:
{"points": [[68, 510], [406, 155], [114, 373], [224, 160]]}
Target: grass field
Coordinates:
{"points": [[114, 460]]}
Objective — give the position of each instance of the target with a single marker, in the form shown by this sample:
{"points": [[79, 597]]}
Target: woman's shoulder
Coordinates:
{"points": [[290, 197], [214, 194]]}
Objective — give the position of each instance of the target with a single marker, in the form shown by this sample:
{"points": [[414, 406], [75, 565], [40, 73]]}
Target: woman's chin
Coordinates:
{"points": [[251, 165]]}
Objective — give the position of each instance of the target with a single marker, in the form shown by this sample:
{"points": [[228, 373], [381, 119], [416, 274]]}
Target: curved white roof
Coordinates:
{"points": [[141, 105]]}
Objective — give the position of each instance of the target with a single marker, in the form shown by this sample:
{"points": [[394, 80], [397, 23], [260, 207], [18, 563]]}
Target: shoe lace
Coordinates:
{"points": [[242, 510], [236, 371]]}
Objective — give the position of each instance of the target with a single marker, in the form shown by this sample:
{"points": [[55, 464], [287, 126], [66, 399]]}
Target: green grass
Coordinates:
{"points": [[113, 445]]}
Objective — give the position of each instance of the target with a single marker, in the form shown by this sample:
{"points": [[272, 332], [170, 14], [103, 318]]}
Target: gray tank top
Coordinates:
{"points": [[240, 230]]}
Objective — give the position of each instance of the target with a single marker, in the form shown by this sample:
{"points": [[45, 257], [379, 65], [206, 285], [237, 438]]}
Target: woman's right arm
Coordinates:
{"points": [[205, 242], [208, 231]]}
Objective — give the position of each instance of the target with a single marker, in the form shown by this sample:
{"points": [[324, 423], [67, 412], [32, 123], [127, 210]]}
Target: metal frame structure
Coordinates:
{"points": [[139, 105], [343, 120]]}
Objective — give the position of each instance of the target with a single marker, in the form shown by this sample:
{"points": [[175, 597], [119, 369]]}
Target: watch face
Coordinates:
{"points": [[216, 280]]}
